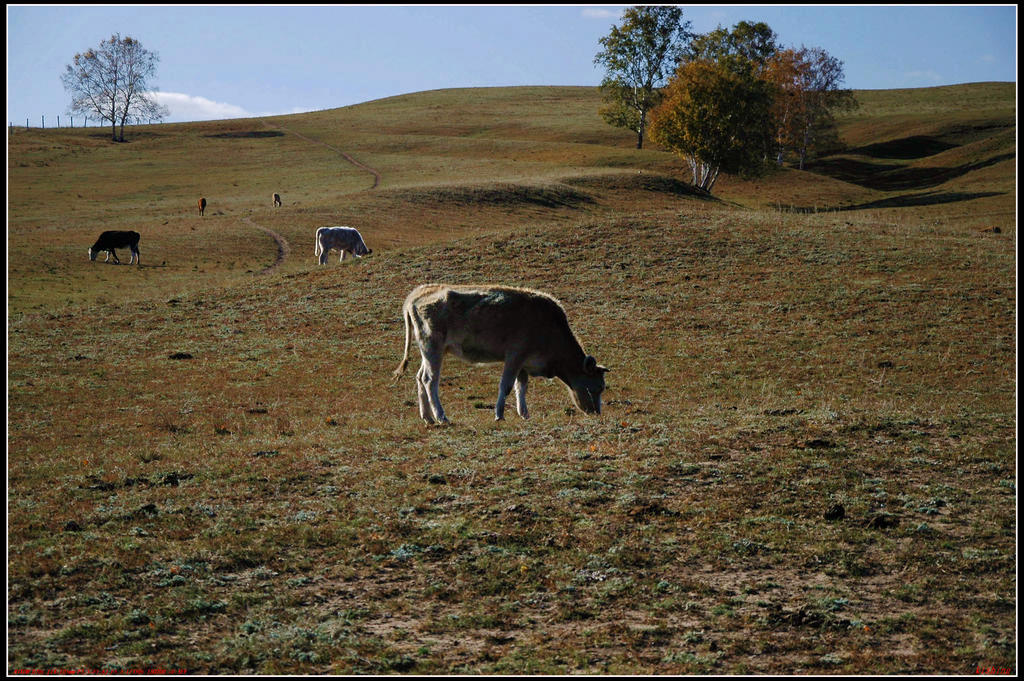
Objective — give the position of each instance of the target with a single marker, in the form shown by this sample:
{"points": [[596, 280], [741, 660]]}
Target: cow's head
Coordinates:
{"points": [[361, 249], [92, 254], [585, 388]]}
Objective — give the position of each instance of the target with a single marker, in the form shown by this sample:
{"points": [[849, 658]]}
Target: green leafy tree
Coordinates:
{"points": [[111, 82], [748, 45], [717, 117], [638, 56]]}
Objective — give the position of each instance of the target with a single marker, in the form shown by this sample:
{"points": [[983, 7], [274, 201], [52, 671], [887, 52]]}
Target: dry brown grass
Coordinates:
{"points": [[210, 470]]}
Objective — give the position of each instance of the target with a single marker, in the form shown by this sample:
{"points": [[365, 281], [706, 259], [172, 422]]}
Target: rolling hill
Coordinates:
{"points": [[806, 463]]}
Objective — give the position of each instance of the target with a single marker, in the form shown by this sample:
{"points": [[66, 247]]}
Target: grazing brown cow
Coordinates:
{"points": [[277, 200], [202, 206], [527, 330]]}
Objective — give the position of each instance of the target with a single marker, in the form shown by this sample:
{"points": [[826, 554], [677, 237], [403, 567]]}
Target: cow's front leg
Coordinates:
{"points": [[522, 382], [508, 378], [342, 258]]}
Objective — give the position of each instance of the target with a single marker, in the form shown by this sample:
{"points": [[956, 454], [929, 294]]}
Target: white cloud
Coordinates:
{"points": [[186, 108], [602, 13], [193, 108]]}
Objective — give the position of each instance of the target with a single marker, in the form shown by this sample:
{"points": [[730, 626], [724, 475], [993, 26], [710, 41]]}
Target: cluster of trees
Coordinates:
{"points": [[111, 82], [732, 101]]}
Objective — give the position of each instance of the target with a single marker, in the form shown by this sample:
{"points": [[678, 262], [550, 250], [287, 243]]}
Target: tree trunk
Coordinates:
{"points": [[713, 179], [704, 175], [640, 130]]}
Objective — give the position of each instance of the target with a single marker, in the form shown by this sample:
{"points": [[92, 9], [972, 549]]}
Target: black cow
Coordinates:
{"points": [[112, 239]]}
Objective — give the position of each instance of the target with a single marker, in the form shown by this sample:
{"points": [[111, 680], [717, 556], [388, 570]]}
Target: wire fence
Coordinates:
{"points": [[68, 122]]}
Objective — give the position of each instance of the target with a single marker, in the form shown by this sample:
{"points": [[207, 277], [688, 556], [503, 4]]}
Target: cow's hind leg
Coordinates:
{"points": [[428, 381], [421, 394]]}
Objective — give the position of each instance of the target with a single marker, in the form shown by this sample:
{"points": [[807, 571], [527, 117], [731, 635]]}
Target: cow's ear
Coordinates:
{"points": [[590, 366]]}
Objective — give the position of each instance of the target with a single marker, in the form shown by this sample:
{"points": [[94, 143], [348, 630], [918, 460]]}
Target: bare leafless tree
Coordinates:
{"points": [[112, 82]]}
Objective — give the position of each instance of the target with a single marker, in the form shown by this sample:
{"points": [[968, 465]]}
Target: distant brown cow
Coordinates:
{"points": [[526, 330], [202, 206], [277, 200]]}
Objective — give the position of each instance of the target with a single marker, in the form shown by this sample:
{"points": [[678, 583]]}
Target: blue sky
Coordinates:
{"points": [[237, 61]]}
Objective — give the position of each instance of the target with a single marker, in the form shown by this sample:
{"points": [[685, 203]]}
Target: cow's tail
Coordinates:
{"points": [[407, 315], [316, 249]]}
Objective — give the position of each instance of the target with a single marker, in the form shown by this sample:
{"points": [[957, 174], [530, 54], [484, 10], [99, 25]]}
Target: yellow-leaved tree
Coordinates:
{"points": [[717, 116], [809, 91]]}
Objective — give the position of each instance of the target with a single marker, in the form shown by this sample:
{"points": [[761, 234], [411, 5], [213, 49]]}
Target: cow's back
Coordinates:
{"points": [[484, 323], [118, 239]]}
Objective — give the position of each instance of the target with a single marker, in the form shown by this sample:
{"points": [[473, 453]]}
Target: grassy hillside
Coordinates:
{"points": [[806, 463]]}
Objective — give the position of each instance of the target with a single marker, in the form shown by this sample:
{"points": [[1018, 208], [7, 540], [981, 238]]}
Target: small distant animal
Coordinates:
{"points": [[526, 330], [277, 200], [202, 206], [345, 239], [112, 239]]}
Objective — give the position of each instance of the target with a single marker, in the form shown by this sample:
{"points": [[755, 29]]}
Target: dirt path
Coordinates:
{"points": [[283, 249], [344, 155]]}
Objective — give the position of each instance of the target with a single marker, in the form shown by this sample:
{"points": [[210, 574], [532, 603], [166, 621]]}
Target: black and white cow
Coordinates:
{"points": [[112, 239]]}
